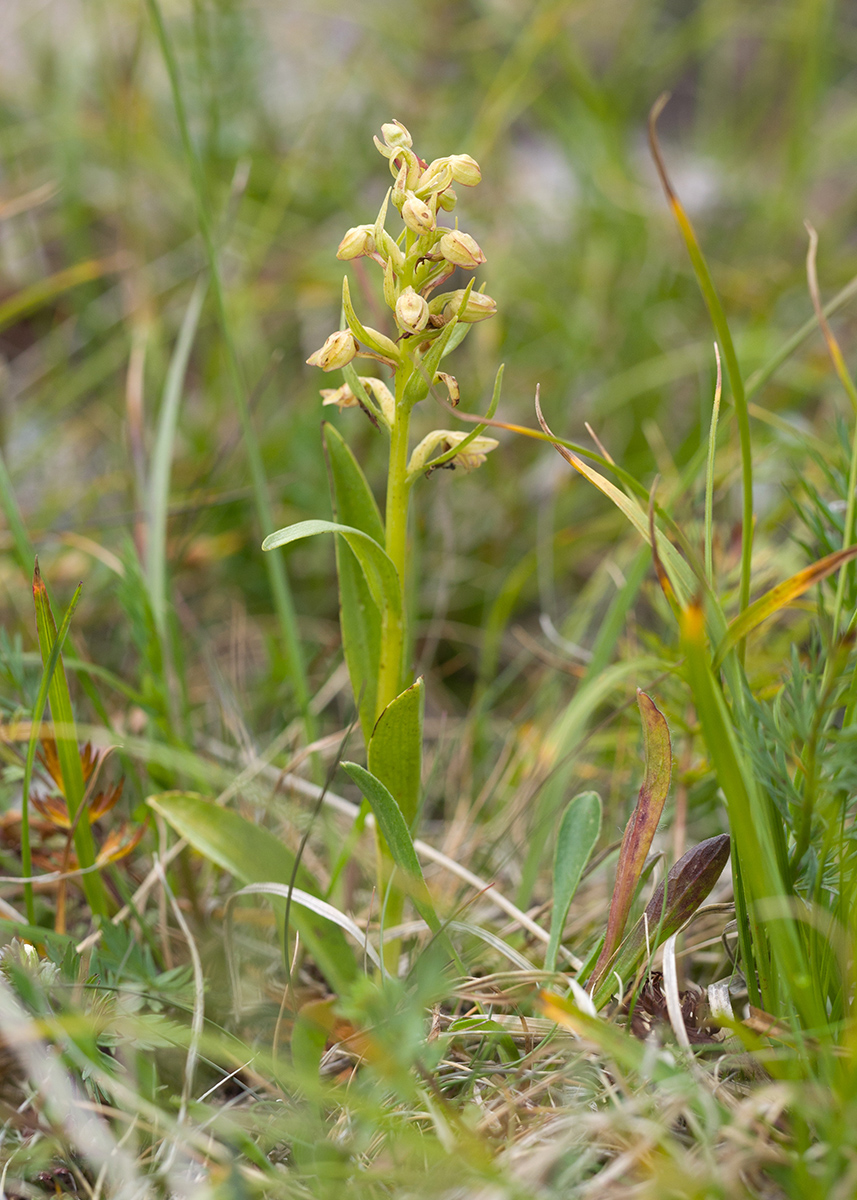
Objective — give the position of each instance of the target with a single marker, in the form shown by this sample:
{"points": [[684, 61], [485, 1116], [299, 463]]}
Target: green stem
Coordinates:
{"points": [[390, 678]]}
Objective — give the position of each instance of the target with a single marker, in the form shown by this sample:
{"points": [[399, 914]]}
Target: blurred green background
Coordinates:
{"points": [[100, 247]]}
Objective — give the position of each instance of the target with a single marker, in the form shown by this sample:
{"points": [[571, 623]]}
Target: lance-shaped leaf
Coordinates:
{"points": [[359, 618], [392, 825], [395, 749], [578, 833], [778, 597], [381, 575], [687, 885], [640, 828]]}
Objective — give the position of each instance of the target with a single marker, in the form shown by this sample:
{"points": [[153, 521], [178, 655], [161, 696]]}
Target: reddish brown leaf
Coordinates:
{"points": [[640, 828]]}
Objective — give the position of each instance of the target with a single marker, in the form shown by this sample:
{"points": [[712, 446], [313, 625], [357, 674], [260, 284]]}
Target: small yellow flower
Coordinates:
{"points": [[461, 249], [417, 215], [479, 307], [441, 441], [342, 397], [465, 170], [412, 311], [357, 242], [338, 351]]}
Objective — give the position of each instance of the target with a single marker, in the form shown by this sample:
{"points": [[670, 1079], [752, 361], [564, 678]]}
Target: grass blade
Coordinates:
{"points": [[255, 856], [724, 335], [780, 596], [159, 479], [36, 723]]}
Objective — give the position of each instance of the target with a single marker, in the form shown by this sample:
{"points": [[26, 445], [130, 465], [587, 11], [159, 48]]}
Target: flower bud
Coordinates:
{"points": [[357, 242], [461, 249], [417, 215], [447, 199], [436, 177], [338, 351], [395, 135], [412, 311], [478, 308], [465, 170]]}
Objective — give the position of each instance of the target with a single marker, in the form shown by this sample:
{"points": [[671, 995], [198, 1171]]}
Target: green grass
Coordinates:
{"points": [[176, 178]]}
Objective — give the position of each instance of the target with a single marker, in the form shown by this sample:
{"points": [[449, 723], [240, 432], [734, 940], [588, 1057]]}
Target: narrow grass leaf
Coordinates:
{"points": [[65, 736], [759, 859], [680, 575], [724, 335], [31, 298], [253, 855], [159, 479], [641, 827], [320, 907], [35, 728], [578, 833]]}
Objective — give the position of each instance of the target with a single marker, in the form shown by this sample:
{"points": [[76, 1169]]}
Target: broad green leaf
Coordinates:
{"points": [[396, 746], [391, 823], [778, 597], [254, 855], [65, 736], [378, 568], [578, 833], [359, 618], [641, 827]]}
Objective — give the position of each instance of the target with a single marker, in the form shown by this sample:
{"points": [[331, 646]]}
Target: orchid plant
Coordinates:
{"points": [[373, 561]]}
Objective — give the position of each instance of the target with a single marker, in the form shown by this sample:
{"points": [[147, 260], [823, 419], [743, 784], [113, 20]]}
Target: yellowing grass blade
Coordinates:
{"points": [[779, 597], [679, 573]]}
